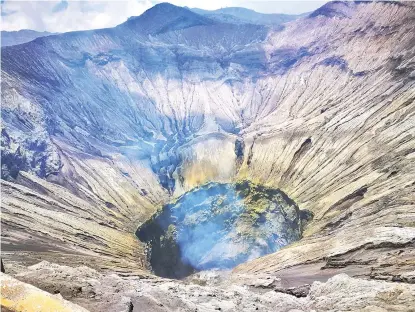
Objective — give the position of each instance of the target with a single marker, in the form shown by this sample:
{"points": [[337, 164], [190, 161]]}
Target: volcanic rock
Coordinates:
{"points": [[101, 128]]}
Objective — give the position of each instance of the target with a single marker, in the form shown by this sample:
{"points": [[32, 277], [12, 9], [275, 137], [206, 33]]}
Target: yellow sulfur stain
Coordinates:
{"points": [[198, 174], [21, 297], [34, 303]]}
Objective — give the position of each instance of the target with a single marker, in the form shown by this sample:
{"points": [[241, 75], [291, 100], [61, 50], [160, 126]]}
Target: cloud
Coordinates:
{"points": [[63, 16], [70, 15], [286, 7], [7, 13], [61, 6]]}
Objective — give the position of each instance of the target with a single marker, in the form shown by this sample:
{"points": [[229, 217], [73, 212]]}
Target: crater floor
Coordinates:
{"points": [[218, 226]]}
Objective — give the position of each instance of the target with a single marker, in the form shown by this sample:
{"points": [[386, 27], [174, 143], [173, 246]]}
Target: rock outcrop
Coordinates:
{"points": [[19, 296], [98, 292], [100, 128]]}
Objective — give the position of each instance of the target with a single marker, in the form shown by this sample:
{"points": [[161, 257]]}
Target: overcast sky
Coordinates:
{"points": [[68, 15]]}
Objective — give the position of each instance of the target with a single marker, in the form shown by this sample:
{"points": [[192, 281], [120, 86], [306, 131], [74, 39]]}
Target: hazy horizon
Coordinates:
{"points": [[64, 16]]}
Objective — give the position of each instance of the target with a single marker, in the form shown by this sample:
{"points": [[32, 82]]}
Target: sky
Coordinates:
{"points": [[70, 15]]}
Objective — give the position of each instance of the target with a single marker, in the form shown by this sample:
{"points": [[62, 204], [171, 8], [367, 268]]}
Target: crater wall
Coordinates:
{"points": [[102, 127]]}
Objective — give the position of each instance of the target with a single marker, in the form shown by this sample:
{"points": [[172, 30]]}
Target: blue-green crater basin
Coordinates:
{"points": [[218, 226]]}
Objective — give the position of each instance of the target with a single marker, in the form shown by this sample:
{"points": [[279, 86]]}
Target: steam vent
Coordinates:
{"points": [[218, 226], [186, 159]]}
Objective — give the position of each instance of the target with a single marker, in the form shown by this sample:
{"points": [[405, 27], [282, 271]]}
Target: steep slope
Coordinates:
{"points": [[355, 169], [9, 38], [102, 127], [100, 105]]}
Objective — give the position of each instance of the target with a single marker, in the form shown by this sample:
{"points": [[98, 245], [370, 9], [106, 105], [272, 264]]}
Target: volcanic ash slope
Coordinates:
{"points": [[102, 127]]}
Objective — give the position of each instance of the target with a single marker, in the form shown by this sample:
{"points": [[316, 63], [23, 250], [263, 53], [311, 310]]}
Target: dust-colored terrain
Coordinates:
{"points": [[102, 128]]}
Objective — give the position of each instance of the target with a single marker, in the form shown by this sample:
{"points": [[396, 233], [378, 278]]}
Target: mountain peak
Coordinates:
{"points": [[164, 17], [164, 6]]}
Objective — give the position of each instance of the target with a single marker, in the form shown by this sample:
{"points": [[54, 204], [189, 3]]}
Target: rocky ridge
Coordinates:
{"points": [[97, 292], [9, 38], [246, 16]]}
